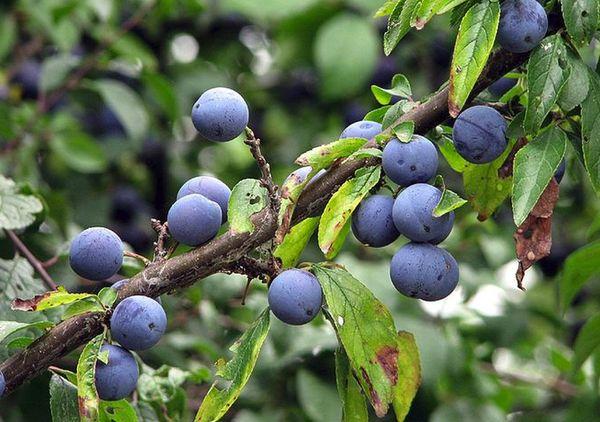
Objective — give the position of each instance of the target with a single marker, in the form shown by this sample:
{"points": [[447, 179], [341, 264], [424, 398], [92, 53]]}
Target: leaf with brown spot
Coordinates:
{"points": [[48, 300], [534, 237], [385, 364], [333, 225]]}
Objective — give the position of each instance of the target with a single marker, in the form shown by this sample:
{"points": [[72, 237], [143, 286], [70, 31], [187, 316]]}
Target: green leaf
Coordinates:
{"points": [[547, 74], [590, 131], [587, 341], [448, 202], [234, 374], [108, 296], [341, 205], [16, 278], [117, 411], [515, 129], [126, 104], [474, 44], [579, 267], [484, 189], [48, 300], [248, 197], [82, 306], [8, 34], [365, 328], [367, 153], [577, 87], [345, 53], [404, 131], [8, 328], [354, 406], [386, 9], [55, 69], [582, 18], [447, 5], [17, 211], [533, 168], [426, 10], [290, 250], [63, 400], [80, 152], [324, 155], [454, 159], [317, 398], [399, 24], [163, 92], [400, 88], [377, 114], [394, 112], [86, 373]]}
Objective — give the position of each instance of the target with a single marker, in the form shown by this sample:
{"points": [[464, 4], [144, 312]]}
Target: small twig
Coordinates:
{"points": [[141, 258], [35, 263], [246, 290], [558, 385], [50, 262], [265, 169], [253, 268], [160, 246]]}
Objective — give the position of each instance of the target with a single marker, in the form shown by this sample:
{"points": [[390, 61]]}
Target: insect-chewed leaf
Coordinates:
{"points": [[16, 210], [323, 156], [86, 374], [236, 372], [474, 43], [48, 300], [547, 74], [580, 266], [582, 18], [248, 197], [295, 241], [534, 166], [590, 130], [385, 364], [341, 205], [63, 400]]}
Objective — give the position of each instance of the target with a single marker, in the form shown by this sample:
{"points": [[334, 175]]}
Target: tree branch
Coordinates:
{"points": [[35, 263], [183, 270]]}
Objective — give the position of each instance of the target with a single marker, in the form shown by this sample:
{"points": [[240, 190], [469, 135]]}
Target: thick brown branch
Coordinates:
{"points": [[33, 261], [183, 270]]}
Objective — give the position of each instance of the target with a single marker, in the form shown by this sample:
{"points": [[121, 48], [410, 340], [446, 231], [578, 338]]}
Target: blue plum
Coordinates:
{"points": [[502, 86], [302, 173], [523, 24], [295, 297], [411, 162], [560, 171], [372, 222], [413, 217], [96, 253], [118, 378], [220, 114], [424, 271], [194, 220], [362, 129], [117, 286], [479, 134], [138, 322], [209, 187]]}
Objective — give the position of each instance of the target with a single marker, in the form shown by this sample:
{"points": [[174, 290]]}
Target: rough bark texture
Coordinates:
{"points": [[182, 271]]}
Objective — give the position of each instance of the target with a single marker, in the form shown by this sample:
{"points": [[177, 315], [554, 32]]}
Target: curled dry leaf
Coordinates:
{"points": [[534, 237]]}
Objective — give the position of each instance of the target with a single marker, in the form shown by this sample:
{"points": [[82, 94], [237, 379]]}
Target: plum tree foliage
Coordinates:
{"points": [[96, 108]]}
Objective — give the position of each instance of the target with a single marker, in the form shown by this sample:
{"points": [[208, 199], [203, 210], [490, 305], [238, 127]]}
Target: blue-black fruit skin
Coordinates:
{"points": [[138, 323], [117, 286], [412, 214], [479, 134], [362, 129], [523, 24], [302, 173], [96, 253], [560, 171], [209, 187], [407, 163], [502, 86], [372, 222], [118, 378], [220, 114], [424, 271], [295, 297], [2, 384], [194, 219]]}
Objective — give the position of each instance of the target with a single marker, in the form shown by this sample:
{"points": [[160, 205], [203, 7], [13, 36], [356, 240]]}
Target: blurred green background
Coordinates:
{"points": [[114, 150]]}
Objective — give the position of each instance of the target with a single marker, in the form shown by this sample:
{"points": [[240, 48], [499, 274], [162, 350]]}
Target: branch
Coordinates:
{"points": [[35, 263], [183, 270], [265, 169]]}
